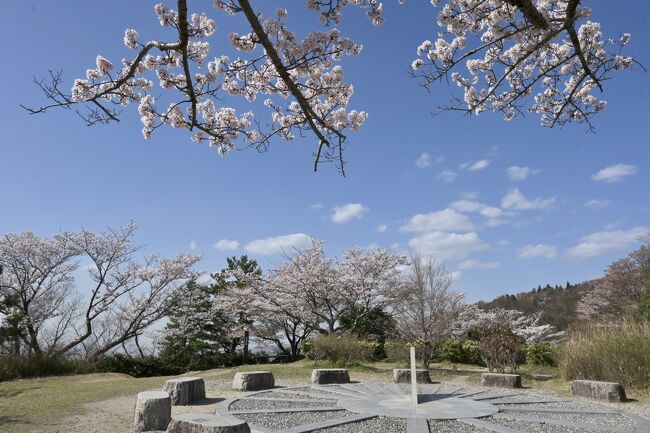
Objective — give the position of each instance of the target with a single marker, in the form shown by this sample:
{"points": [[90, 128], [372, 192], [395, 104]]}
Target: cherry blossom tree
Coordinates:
{"points": [[527, 326], [620, 292], [310, 293], [123, 299], [543, 56], [428, 307]]}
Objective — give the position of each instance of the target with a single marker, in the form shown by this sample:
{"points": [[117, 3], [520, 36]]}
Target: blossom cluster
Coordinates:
{"points": [[509, 56]]}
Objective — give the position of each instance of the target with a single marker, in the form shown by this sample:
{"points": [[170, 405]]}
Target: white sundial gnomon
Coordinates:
{"points": [[378, 407]]}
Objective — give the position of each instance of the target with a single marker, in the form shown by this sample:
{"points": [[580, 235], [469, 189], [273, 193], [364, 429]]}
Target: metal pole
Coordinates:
{"points": [[414, 380]]}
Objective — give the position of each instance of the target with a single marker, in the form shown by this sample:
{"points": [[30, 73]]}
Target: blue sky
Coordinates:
{"points": [[563, 222]]}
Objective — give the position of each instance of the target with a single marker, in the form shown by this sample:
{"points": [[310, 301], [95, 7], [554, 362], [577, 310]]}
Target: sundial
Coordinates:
{"points": [[381, 407]]}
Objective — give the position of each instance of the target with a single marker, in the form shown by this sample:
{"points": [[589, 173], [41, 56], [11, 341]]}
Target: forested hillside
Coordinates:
{"points": [[558, 303]]}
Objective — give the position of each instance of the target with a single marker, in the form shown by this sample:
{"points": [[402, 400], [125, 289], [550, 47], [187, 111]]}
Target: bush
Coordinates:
{"points": [[500, 348], [616, 354], [20, 367], [341, 350], [397, 351], [541, 354], [462, 351], [137, 367]]}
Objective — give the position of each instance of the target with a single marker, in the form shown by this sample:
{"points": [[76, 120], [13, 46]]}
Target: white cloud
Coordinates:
{"points": [[443, 220], [614, 173], [316, 206], [455, 276], [345, 213], [381, 228], [470, 195], [193, 245], [440, 158], [515, 200], [537, 252], [516, 172], [475, 264], [226, 244], [447, 176], [423, 161], [605, 242], [597, 204], [479, 165], [279, 244], [447, 246], [493, 214]]}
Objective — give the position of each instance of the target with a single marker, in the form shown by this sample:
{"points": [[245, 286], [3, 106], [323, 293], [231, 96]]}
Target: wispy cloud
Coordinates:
{"points": [[537, 252], [605, 242], [193, 245], [347, 212], [476, 264], [381, 228], [423, 161], [515, 200], [443, 220], [447, 176], [614, 173], [597, 204], [279, 244], [448, 246], [226, 244], [518, 173]]}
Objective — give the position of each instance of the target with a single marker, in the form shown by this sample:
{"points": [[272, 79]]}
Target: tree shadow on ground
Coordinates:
{"points": [[10, 394]]}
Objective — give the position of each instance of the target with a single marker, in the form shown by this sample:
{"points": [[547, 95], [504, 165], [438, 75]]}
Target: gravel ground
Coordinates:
{"points": [[557, 405], [280, 394], [540, 428], [374, 425], [246, 404], [590, 419], [280, 421], [444, 426]]}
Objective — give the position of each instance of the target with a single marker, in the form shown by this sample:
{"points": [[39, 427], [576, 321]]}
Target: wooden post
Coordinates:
{"points": [[414, 380]]}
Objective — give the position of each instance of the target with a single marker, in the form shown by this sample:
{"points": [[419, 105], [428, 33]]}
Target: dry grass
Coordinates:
{"points": [[616, 354]]}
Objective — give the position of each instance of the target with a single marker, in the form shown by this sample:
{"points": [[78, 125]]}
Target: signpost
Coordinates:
{"points": [[414, 380]]}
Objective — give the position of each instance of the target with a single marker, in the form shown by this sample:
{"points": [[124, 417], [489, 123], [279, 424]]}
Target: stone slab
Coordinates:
{"points": [[153, 411], [608, 391], [185, 390], [429, 407], [253, 380], [403, 375], [501, 380], [206, 423], [323, 376]]}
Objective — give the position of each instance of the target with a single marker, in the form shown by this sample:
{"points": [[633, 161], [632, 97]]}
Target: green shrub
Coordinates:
{"points": [[618, 353], [341, 350], [462, 351], [501, 348], [137, 367], [541, 354], [20, 367]]}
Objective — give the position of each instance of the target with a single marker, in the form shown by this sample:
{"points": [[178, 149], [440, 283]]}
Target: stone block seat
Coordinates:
{"points": [[403, 375], [185, 390], [153, 411], [501, 380], [253, 380], [324, 376], [207, 423], [608, 391]]}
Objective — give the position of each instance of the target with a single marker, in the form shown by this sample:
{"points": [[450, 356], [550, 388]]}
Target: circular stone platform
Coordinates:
{"points": [[378, 407]]}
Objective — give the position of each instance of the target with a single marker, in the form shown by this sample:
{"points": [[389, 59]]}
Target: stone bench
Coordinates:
{"points": [[501, 380], [207, 423], [153, 411], [185, 390], [403, 375], [323, 376], [609, 391], [253, 380]]}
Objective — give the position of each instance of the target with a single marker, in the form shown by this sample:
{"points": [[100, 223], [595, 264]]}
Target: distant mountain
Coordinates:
{"points": [[557, 303]]}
